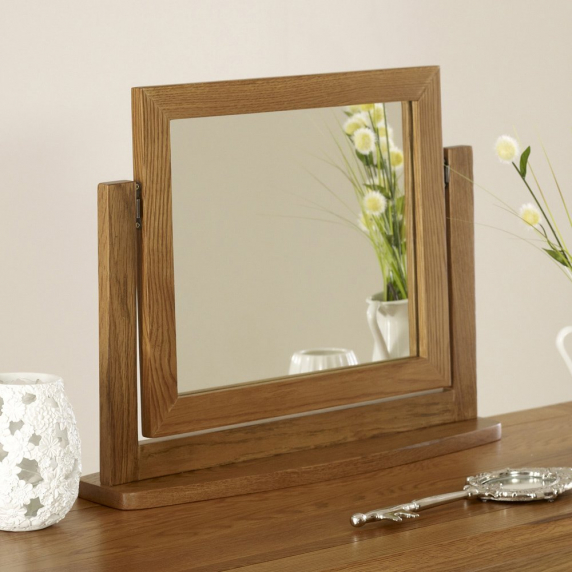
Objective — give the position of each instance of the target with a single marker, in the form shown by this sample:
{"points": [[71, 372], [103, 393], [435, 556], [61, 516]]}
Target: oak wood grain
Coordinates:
{"points": [[156, 295], [117, 332], [409, 194], [461, 264], [261, 95], [430, 230], [248, 443], [164, 411], [158, 456], [293, 469], [306, 527]]}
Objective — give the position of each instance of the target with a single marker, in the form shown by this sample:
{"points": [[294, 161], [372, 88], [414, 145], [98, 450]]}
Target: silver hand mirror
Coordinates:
{"points": [[526, 484]]}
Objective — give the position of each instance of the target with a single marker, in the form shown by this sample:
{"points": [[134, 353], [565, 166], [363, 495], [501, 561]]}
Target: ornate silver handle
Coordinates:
{"points": [[408, 510]]}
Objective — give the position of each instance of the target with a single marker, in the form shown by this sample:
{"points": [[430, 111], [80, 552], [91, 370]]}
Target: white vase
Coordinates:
{"points": [[562, 335], [40, 462], [319, 359], [389, 325]]}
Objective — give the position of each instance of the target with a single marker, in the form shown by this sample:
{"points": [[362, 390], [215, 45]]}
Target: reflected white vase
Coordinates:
{"points": [[319, 359], [562, 335], [389, 325], [40, 462]]}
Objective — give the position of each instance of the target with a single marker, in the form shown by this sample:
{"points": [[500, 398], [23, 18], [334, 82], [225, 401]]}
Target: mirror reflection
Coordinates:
{"points": [[290, 248]]}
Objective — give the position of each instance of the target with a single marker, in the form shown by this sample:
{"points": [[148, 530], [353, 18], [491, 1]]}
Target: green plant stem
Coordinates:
{"points": [[547, 204], [539, 206]]}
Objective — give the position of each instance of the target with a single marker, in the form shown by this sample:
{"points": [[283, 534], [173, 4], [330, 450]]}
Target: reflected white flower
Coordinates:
{"points": [[530, 215], [378, 179], [385, 133], [396, 158], [364, 140], [377, 114], [383, 145], [506, 149], [361, 221], [374, 203], [355, 122]]}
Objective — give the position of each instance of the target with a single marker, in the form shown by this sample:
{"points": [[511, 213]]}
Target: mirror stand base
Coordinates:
{"points": [[294, 469]]}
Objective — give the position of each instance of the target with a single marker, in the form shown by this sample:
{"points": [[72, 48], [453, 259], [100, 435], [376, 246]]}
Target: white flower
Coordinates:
{"points": [[8, 478], [374, 203], [396, 158], [378, 179], [377, 114], [367, 106], [385, 133], [364, 140], [352, 108], [12, 513], [506, 149], [4, 427], [54, 475], [14, 408], [14, 445], [530, 215], [354, 122], [383, 145], [361, 220], [21, 492], [50, 445], [61, 489]]}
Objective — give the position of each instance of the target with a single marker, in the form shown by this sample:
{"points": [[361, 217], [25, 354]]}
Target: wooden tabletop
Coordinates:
{"points": [[307, 528]]}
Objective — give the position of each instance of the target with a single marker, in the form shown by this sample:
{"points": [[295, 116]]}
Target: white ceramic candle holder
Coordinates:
{"points": [[40, 461]]}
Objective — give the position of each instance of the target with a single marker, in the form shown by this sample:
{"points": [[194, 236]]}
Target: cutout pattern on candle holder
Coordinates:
{"points": [[40, 463]]}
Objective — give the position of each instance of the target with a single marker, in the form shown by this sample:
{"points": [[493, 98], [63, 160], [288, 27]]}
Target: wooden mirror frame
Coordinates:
{"points": [[166, 412], [366, 433]]}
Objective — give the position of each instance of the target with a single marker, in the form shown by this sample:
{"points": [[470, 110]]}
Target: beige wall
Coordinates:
{"points": [[67, 68]]}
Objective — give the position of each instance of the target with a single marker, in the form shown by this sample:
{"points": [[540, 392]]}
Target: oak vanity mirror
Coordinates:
{"points": [[234, 277], [276, 216]]}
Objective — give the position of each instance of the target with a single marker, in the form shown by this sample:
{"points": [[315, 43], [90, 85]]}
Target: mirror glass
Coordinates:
{"points": [[290, 249]]}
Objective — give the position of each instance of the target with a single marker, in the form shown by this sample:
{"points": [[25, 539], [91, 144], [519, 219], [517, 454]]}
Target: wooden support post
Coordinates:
{"points": [[461, 255], [117, 333]]}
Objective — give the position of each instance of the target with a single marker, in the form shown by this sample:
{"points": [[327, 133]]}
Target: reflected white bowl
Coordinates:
{"points": [[318, 359]]}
